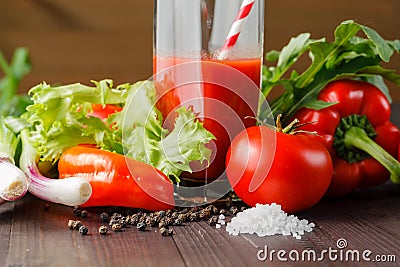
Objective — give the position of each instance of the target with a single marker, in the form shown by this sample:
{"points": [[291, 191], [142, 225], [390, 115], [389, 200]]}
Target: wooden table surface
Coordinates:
{"points": [[368, 220]]}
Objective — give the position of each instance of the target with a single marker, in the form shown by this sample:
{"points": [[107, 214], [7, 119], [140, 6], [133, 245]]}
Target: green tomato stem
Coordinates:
{"points": [[357, 137]]}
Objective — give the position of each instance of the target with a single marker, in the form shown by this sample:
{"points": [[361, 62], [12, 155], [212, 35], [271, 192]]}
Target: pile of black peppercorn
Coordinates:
{"points": [[77, 225], [164, 219]]}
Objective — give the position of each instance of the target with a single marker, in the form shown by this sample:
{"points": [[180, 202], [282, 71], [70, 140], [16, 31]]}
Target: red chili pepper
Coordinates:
{"points": [[356, 130], [117, 180]]}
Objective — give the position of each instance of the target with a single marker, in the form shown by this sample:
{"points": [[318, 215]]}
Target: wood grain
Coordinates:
{"points": [[367, 220], [42, 238], [6, 215]]}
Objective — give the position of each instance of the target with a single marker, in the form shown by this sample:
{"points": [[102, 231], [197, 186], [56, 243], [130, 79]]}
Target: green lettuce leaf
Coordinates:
{"points": [[143, 138], [59, 117], [59, 120]]}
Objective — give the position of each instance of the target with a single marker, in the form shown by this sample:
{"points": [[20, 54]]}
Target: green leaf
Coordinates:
{"points": [[302, 96], [286, 58], [396, 45], [20, 63], [184, 144], [387, 74], [10, 102], [318, 104], [348, 56], [8, 141], [59, 116], [272, 55], [320, 53], [60, 120], [383, 48], [345, 32], [379, 83], [291, 52], [145, 139]]}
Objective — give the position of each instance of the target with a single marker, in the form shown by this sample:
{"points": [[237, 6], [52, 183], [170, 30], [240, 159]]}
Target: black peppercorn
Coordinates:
{"points": [[156, 219], [104, 217], [77, 212], [141, 226], [213, 220], [166, 231], [194, 216], [76, 225], [161, 213], [234, 210], [162, 224], [174, 215], [202, 214], [83, 230], [184, 210], [134, 219], [71, 224], [168, 212], [143, 218], [183, 217], [122, 222], [116, 227], [167, 221], [178, 221], [214, 210], [46, 207], [206, 213], [112, 221], [116, 216], [84, 213], [103, 230], [209, 208], [170, 231], [149, 221], [194, 209]]}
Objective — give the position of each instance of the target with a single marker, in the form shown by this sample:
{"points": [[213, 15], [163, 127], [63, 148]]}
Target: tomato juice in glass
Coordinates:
{"points": [[222, 91], [224, 108]]}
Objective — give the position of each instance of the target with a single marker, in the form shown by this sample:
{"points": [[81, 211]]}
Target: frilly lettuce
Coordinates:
{"points": [[60, 118]]}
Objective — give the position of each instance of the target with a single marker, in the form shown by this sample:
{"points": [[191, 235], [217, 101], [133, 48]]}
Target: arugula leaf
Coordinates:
{"points": [[379, 82], [348, 56], [286, 58], [383, 48]]}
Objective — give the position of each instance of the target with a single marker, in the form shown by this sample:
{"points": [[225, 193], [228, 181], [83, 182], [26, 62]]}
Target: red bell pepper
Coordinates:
{"points": [[363, 143], [117, 180]]}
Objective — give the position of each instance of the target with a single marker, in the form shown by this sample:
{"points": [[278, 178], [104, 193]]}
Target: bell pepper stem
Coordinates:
{"points": [[357, 137]]}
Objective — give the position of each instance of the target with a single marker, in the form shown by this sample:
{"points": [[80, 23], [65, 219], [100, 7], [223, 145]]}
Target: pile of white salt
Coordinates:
{"points": [[267, 220]]}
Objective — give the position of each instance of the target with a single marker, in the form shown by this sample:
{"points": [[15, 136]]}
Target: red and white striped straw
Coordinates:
{"points": [[234, 32]]}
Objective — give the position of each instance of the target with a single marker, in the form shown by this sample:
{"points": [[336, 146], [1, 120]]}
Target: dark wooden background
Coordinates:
{"points": [[77, 41]]}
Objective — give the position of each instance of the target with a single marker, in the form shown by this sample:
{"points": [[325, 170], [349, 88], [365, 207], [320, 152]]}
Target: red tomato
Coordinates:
{"points": [[102, 112], [265, 166]]}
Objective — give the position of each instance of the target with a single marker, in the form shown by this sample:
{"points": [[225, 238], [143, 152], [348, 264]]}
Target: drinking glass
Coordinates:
{"points": [[208, 57]]}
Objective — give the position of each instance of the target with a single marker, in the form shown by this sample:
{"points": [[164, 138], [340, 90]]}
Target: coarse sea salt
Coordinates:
{"points": [[266, 220]]}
